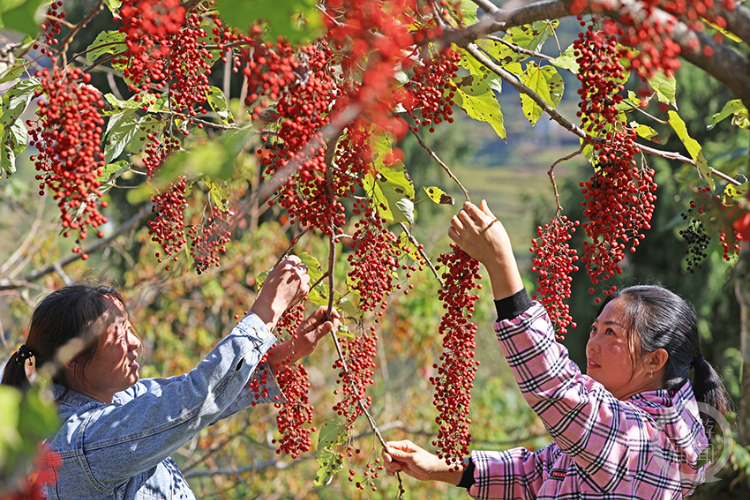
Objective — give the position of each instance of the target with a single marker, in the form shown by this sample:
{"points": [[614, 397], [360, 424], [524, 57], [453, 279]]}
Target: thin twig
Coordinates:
{"points": [[421, 252], [291, 246], [551, 174], [69, 37], [440, 162], [102, 61], [90, 49], [520, 50], [60, 20]]}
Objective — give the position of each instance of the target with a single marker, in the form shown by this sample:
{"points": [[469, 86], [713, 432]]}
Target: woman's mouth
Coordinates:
{"points": [[591, 364]]}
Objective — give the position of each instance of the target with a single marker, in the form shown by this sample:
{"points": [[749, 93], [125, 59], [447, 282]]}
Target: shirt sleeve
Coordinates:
{"points": [[600, 433], [155, 418], [511, 474]]}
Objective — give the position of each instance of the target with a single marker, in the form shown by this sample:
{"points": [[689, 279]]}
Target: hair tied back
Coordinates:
{"points": [[22, 354]]}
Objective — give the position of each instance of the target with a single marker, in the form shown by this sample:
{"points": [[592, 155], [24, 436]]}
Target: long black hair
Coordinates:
{"points": [[63, 318], [661, 319]]}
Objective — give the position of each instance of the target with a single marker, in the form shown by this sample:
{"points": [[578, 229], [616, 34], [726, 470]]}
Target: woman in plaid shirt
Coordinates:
{"points": [[627, 429]]}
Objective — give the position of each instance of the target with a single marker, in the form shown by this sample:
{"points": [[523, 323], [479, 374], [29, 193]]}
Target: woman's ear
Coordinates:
{"points": [[657, 360]]}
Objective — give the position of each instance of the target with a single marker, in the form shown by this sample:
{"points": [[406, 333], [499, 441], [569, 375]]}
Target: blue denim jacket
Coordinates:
{"points": [[122, 450]]}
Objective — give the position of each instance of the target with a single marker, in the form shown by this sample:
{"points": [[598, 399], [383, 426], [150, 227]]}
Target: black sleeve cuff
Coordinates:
{"points": [[467, 478], [513, 306]]}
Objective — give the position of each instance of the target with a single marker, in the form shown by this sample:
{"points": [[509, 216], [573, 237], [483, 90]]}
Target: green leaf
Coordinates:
{"points": [[121, 130], [735, 193], [531, 36], [646, 132], [331, 435], [479, 101], [114, 6], [106, 42], [11, 72], [14, 142], [218, 103], [506, 57], [478, 70], [296, 20], [567, 60], [664, 86], [13, 135], [679, 127], [113, 171], [17, 99], [733, 108], [389, 186], [23, 17], [438, 195], [545, 82], [721, 30], [10, 400]]}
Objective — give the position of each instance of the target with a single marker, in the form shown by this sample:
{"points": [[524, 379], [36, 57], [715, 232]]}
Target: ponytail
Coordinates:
{"points": [[709, 390], [14, 373]]}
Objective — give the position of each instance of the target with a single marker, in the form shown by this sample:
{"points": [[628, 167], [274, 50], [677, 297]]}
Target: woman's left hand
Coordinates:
{"points": [[313, 328]]}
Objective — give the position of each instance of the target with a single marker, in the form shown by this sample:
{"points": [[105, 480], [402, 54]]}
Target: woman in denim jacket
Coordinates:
{"points": [[117, 432]]}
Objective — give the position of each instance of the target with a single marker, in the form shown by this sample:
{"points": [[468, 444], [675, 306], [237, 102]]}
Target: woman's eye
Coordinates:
{"points": [[609, 332]]}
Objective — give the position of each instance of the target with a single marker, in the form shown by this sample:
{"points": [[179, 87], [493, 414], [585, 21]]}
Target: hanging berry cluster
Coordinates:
{"points": [[554, 261], [295, 413], [68, 137], [619, 204], [455, 374], [374, 261], [355, 373], [208, 238], [168, 227]]}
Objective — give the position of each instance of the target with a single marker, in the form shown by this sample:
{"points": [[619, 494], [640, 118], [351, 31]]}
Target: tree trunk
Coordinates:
{"points": [[742, 291]]}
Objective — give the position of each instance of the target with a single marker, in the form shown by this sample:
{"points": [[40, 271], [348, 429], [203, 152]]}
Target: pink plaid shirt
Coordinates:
{"points": [[646, 447]]}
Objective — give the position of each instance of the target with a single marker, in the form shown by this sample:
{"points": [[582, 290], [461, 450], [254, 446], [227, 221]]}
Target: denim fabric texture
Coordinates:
{"points": [[122, 450]]}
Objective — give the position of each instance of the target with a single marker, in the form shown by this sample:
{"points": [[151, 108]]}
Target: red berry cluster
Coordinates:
{"points": [[554, 261], [168, 227], [601, 75], [51, 26], [295, 413], [359, 354], [373, 262], [618, 203], [370, 475], [455, 376], [209, 238], [68, 138], [429, 96]]}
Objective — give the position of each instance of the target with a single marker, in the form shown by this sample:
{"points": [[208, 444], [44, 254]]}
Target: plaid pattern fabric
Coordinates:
{"points": [[644, 448]]}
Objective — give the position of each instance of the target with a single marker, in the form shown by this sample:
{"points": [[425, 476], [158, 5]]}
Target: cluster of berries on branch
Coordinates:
{"points": [[68, 137], [455, 374], [554, 261]]}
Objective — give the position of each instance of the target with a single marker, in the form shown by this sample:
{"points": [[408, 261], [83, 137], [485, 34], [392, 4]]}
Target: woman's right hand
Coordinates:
{"points": [[285, 285], [405, 456], [478, 232]]}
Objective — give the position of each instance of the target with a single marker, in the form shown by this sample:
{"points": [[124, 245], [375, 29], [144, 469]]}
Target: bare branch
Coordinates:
{"points": [[421, 252], [440, 162]]}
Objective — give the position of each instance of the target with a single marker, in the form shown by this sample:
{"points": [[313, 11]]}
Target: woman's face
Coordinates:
{"points": [[608, 356], [114, 367]]}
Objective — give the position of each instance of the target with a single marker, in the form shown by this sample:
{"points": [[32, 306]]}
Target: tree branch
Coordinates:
{"points": [[440, 162]]}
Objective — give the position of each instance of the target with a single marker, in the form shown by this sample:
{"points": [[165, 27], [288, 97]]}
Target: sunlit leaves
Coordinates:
{"points": [[438, 195], [692, 146], [477, 98], [389, 184], [106, 42], [14, 138], [664, 86], [545, 82], [218, 102], [23, 16], [736, 110]]}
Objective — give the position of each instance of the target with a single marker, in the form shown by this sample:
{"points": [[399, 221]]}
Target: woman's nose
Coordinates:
{"points": [[133, 341]]}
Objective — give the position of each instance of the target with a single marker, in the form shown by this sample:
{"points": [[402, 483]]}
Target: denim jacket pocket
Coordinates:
{"points": [[165, 481]]}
